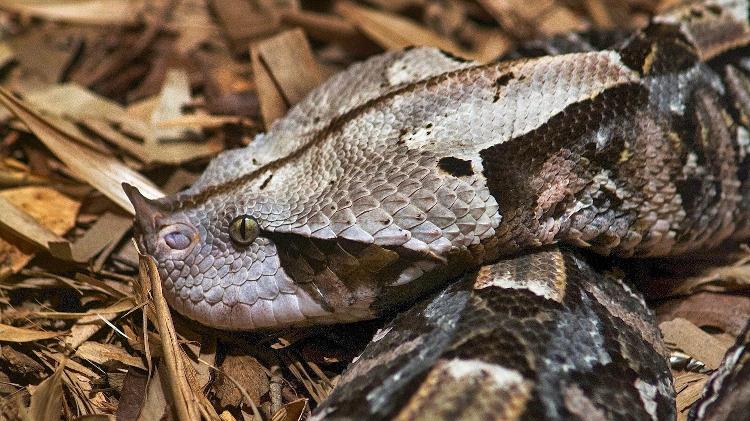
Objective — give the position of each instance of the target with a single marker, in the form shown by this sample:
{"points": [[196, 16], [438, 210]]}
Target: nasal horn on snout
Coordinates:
{"points": [[146, 210]]}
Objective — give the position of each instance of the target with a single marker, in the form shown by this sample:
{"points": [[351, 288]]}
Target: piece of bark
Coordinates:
{"points": [[285, 71], [394, 32], [728, 312], [244, 21], [229, 89]]}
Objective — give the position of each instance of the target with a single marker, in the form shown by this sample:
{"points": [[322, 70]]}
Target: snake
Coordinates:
{"points": [[415, 168]]}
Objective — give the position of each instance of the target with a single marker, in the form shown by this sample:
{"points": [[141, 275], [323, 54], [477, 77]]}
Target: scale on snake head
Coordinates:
{"points": [[410, 168]]}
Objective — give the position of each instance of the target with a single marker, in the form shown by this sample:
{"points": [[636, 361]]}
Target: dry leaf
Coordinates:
{"points": [[243, 22], [200, 121], [46, 399], [331, 28], [43, 59], [533, 19], [6, 54], [102, 172], [109, 227], [293, 411], [247, 373], [97, 12], [107, 354], [155, 403], [692, 340], [183, 399], [18, 334], [73, 101], [122, 306], [727, 312]]}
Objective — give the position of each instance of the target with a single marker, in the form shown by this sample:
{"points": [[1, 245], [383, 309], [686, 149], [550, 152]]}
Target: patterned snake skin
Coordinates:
{"points": [[409, 169], [541, 336], [415, 167], [727, 395]]}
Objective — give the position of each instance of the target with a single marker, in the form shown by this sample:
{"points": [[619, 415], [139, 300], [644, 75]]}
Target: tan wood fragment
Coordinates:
{"points": [[394, 32], [285, 70], [290, 60], [244, 21]]}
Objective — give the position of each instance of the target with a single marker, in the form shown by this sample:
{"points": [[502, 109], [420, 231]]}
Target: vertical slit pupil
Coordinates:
{"points": [[242, 228]]}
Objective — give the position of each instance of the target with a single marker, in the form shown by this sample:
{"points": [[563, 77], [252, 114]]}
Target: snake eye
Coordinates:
{"points": [[244, 229]]}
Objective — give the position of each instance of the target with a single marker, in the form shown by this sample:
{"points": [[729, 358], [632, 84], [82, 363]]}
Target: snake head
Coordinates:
{"points": [[219, 267]]}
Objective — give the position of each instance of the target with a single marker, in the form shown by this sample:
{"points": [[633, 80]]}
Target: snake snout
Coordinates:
{"points": [[146, 210]]}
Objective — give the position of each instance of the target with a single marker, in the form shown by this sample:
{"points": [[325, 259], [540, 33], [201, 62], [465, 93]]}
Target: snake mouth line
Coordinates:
{"points": [[295, 309]]}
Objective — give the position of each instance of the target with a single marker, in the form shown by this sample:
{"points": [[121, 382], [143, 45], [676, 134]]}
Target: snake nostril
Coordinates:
{"points": [[177, 240]]}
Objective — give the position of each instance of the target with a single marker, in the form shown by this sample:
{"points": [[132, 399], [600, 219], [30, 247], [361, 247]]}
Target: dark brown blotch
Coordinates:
{"points": [[501, 82], [455, 166]]}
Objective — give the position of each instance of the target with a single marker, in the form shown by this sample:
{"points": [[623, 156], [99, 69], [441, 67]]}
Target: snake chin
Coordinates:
{"points": [[271, 303]]}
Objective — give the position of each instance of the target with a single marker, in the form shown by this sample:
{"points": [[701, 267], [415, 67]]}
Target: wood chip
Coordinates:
{"points": [[291, 63], [689, 387], [24, 225], [175, 94], [53, 211], [394, 32], [243, 22], [285, 71]]}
